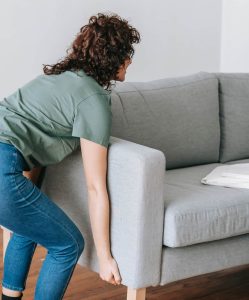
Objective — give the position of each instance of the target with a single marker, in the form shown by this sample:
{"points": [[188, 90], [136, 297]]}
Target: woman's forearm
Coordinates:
{"points": [[98, 203]]}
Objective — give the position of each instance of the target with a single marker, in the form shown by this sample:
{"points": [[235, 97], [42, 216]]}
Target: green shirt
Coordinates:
{"points": [[45, 118]]}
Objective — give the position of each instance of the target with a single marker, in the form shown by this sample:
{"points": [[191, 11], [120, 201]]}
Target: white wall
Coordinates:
{"points": [[235, 36], [178, 37]]}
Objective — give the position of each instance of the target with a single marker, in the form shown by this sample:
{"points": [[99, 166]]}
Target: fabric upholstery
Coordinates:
{"points": [[179, 116], [164, 224], [136, 208], [185, 262], [197, 213], [234, 115]]}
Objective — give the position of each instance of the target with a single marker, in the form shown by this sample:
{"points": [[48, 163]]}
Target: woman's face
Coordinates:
{"points": [[122, 70]]}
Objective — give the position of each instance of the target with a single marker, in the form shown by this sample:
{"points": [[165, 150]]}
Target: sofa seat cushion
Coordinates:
{"points": [[197, 213]]}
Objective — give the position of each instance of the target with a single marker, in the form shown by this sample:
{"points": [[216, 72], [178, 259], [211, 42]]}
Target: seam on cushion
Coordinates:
{"points": [[211, 210], [231, 77], [178, 85]]}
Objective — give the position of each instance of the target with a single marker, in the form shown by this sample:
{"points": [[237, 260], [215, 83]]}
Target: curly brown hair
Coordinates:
{"points": [[100, 48]]}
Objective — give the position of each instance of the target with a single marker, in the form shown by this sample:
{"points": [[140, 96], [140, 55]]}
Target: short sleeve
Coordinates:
{"points": [[93, 119]]}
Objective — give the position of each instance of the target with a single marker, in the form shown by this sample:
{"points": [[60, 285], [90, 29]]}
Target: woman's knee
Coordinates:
{"points": [[75, 247]]}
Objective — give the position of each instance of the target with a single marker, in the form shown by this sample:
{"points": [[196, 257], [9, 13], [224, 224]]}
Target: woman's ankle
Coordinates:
{"points": [[11, 293], [5, 297]]}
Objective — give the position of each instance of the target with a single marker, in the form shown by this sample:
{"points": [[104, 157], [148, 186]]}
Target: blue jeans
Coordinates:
{"points": [[34, 219]]}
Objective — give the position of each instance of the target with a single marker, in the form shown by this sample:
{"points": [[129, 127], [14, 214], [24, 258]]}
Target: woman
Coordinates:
{"points": [[40, 124]]}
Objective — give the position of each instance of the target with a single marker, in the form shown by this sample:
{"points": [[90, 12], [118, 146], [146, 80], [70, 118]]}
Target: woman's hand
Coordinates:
{"points": [[108, 270]]}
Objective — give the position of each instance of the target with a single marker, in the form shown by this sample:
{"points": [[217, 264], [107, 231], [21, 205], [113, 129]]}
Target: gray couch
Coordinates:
{"points": [[165, 225]]}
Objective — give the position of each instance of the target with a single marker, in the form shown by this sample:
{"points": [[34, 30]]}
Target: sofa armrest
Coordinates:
{"points": [[135, 187], [135, 182]]}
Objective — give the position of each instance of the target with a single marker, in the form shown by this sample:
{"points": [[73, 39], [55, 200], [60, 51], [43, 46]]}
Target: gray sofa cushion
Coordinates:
{"points": [[197, 213], [179, 116], [234, 114]]}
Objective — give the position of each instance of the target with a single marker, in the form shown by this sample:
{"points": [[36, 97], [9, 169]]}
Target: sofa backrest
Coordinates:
{"points": [[234, 115], [179, 116]]}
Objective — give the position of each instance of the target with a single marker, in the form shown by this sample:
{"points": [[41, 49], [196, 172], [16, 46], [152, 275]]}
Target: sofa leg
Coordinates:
{"points": [[136, 294], [6, 238]]}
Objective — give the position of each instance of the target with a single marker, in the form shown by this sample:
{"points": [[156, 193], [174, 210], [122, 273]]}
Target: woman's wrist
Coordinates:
{"points": [[104, 256]]}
